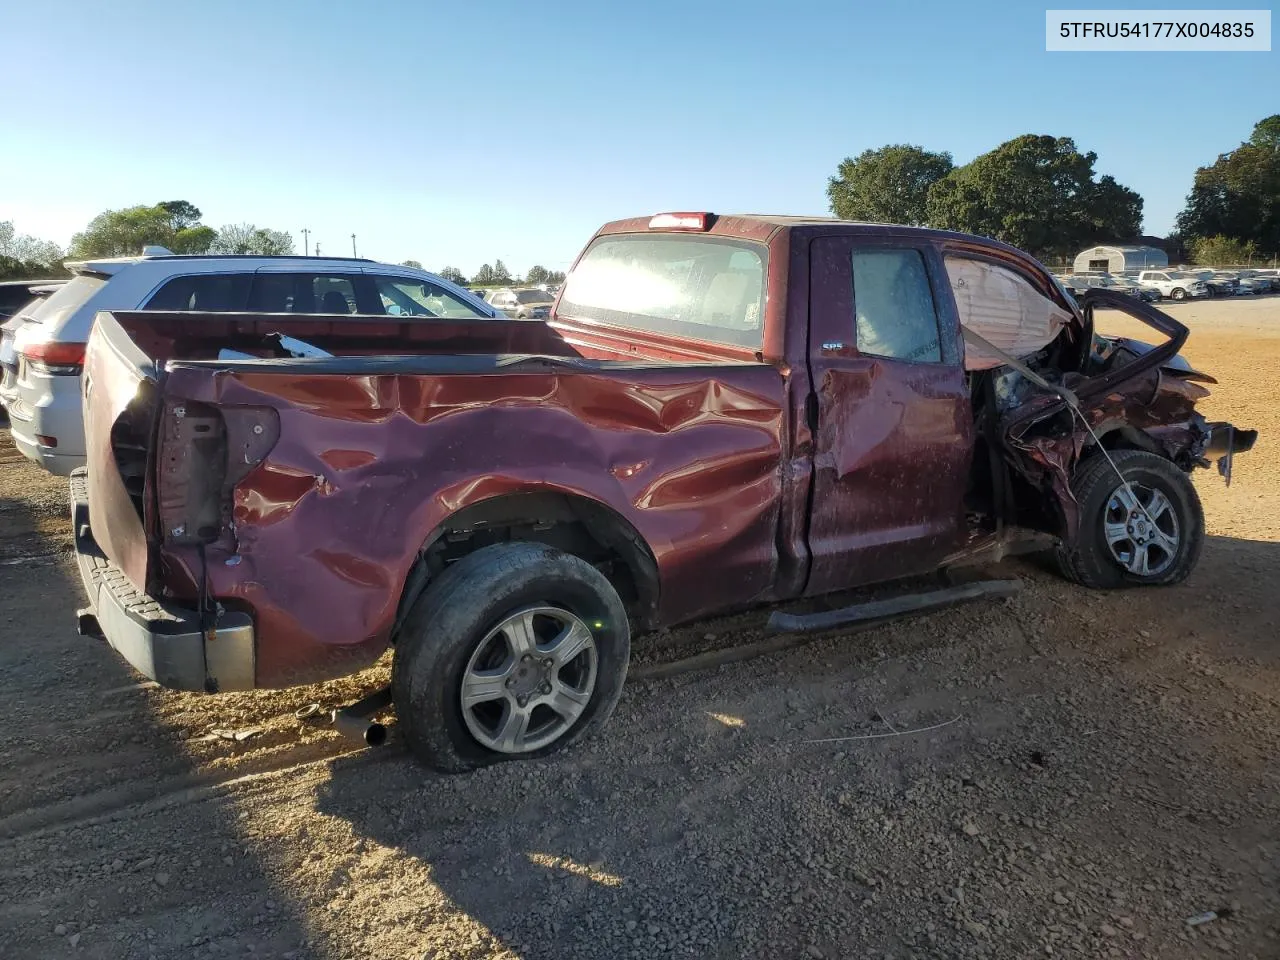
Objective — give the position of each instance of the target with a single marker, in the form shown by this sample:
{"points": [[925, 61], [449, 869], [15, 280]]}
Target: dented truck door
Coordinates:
{"points": [[890, 412]]}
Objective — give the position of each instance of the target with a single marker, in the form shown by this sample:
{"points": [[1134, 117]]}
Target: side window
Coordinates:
{"points": [[303, 293], [893, 306], [409, 296], [221, 293]]}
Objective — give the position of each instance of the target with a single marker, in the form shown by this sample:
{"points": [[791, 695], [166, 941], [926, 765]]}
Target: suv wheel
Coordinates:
{"points": [[1178, 293], [1146, 530], [517, 650]]}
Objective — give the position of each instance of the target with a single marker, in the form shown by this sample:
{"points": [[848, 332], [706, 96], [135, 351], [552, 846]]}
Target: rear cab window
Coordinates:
{"points": [[702, 288]]}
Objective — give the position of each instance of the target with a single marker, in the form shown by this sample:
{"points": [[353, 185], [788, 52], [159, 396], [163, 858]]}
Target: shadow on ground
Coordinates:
{"points": [[1091, 793], [90, 864]]}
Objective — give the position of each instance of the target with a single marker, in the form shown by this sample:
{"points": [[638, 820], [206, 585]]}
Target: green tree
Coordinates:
{"points": [[537, 274], [117, 233], [453, 275], [22, 248], [1238, 195], [1037, 193], [500, 272], [193, 240], [485, 275], [181, 214], [1221, 251], [555, 276], [245, 238], [411, 263], [889, 185]]}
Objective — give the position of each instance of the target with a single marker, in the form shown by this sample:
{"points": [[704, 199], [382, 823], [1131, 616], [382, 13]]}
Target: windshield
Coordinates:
{"points": [[533, 296], [68, 298], [1182, 275], [704, 288]]}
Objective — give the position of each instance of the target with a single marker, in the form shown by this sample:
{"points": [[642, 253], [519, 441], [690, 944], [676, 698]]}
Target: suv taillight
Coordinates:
{"points": [[57, 359]]}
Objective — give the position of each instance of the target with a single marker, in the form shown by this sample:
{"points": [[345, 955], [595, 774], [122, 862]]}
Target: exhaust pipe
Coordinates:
{"points": [[353, 721]]}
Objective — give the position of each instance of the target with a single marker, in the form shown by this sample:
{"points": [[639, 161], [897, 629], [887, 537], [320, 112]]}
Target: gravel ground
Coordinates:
{"points": [[1104, 766]]}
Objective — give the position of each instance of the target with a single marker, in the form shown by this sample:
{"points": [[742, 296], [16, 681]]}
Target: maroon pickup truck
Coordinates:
{"points": [[721, 412]]}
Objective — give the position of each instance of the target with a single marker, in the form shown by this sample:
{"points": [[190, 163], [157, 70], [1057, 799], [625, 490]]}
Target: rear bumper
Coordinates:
{"points": [[159, 639], [48, 408]]}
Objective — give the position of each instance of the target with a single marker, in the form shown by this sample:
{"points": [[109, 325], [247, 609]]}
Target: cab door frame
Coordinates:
{"points": [[893, 439]]}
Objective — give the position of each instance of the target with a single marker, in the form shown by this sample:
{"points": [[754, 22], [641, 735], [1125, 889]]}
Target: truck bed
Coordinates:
{"points": [[254, 481]]}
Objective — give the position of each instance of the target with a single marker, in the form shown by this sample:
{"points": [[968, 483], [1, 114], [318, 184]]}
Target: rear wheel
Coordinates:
{"points": [[515, 651], [1146, 530]]}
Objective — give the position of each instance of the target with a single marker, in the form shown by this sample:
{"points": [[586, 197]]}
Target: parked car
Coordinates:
{"points": [[523, 304], [1242, 284], [42, 389], [1218, 286], [796, 407], [20, 295], [1264, 281], [1174, 284], [1120, 284], [15, 294]]}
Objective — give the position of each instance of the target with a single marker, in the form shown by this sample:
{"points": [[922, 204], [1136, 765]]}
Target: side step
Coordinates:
{"points": [[895, 606]]}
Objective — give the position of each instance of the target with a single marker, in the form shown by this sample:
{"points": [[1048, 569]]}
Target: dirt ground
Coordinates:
{"points": [[1104, 766]]}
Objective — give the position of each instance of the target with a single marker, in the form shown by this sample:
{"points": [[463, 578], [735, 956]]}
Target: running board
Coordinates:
{"points": [[895, 606]]}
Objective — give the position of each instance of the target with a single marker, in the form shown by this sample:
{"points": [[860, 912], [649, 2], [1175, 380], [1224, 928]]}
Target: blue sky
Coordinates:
{"points": [[457, 134]]}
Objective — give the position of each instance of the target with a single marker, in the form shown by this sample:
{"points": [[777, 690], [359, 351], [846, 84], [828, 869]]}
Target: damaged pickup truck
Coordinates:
{"points": [[721, 412]]}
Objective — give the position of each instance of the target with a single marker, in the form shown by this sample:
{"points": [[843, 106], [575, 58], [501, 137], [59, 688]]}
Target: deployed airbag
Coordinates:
{"points": [[1003, 309]]}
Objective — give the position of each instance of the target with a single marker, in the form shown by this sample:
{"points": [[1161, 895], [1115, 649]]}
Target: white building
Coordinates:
{"points": [[1120, 260]]}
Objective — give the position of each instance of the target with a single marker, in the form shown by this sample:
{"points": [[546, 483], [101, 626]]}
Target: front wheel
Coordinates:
{"points": [[517, 650], [1179, 294], [1144, 530]]}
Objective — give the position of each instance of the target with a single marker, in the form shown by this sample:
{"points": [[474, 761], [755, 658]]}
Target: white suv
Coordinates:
{"points": [[42, 361], [1174, 284]]}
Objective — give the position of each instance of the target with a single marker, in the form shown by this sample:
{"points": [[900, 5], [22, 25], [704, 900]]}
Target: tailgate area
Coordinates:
{"points": [[161, 640]]}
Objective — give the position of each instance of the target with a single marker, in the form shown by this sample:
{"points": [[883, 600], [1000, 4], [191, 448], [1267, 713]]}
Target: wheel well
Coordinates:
{"points": [[576, 525], [1126, 437]]}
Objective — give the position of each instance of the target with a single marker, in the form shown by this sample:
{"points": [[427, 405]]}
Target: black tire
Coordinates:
{"points": [[1089, 561], [457, 611], [1178, 294]]}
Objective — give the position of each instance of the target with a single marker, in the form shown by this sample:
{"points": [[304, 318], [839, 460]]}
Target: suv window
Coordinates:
{"points": [[894, 313], [303, 293], [218, 292], [409, 296]]}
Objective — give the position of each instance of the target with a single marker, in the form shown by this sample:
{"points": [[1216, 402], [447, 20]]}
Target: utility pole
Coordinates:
{"points": [[353, 245], [305, 236]]}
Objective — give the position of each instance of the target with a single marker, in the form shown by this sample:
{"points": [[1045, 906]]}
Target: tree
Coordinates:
{"points": [[247, 238], [537, 274], [1037, 193], [485, 275], [555, 276], [117, 233], [181, 214], [21, 248], [1222, 251], [193, 240], [889, 185], [500, 272], [411, 263], [453, 275], [1238, 196]]}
